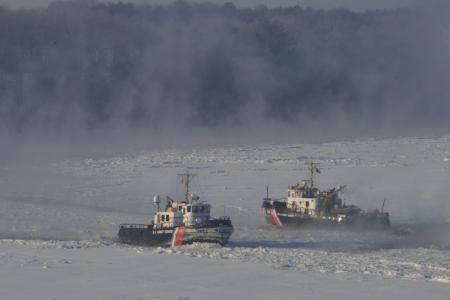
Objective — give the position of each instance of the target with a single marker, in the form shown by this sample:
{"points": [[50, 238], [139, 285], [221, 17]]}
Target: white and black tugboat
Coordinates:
{"points": [[179, 223], [308, 206]]}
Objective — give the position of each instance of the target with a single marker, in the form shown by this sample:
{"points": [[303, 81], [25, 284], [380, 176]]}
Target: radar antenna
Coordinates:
{"points": [[186, 179]]}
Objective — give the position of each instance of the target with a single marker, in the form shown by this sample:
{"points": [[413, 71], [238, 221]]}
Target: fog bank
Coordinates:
{"points": [[77, 69]]}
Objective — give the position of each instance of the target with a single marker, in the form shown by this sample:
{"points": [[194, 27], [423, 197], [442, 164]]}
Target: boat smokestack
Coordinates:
{"points": [[157, 201]]}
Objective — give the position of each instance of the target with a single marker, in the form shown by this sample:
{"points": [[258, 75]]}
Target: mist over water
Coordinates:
{"points": [[86, 81], [84, 68]]}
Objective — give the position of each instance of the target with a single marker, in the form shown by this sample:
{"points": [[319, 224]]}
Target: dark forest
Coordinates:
{"points": [[87, 65]]}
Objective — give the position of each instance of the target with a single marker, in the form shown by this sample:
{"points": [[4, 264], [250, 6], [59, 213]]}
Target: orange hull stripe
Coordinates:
{"points": [[178, 236], [275, 219]]}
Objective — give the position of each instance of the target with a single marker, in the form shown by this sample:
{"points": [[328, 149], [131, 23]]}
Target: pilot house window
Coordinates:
{"points": [[189, 209]]}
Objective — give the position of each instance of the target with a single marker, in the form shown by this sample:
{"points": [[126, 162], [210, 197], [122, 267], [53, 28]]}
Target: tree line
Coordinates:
{"points": [[88, 65]]}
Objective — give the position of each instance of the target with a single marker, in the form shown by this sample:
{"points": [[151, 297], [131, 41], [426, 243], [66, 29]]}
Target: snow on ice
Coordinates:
{"points": [[58, 222]]}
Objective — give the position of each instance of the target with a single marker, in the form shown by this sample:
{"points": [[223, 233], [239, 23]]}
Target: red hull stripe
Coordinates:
{"points": [[275, 219], [178, 236]]}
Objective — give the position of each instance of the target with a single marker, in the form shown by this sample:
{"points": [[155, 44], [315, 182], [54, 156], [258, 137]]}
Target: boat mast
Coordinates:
{"points": [[313, 168], [186, 180], [384, 202]]}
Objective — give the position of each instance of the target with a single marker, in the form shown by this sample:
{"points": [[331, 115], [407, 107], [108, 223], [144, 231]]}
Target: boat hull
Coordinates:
{"points": [[360, 222], [138, 234]]}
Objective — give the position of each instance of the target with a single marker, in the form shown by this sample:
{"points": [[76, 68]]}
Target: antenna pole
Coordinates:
{"points": [[384, 202], [267, 191], [186, 179], [187, 184], [312, 169]]}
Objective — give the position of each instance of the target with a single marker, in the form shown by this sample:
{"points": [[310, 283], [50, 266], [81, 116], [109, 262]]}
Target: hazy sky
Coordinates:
{"points": [[351, 4]]}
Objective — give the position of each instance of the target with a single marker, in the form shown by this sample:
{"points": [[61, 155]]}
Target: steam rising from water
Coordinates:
{"points": [[83, 67], [122, 74]]}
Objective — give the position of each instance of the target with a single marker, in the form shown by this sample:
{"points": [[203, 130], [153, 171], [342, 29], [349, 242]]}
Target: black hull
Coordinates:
{"points": [[147, 236], [357, 223]]}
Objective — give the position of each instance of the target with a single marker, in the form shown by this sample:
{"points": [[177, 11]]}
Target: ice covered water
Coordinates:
{"points": [[77, 203], [88, 195]]}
